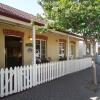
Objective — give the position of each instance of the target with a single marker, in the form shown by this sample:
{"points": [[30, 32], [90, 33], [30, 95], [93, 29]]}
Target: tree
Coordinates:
{"points": [[78, 16]]}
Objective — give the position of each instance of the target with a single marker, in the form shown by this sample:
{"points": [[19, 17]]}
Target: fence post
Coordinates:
{"points": [[30, 76], [6, 81], [15, 80], [11, 78], [2, 82], [34, 74], [19, 75], [27, 73], [48, 69]]}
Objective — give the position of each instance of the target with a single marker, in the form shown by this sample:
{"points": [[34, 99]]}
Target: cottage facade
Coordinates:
{"points": [[16, 40]]}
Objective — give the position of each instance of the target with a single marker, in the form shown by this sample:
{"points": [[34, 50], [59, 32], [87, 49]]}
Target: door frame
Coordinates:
{"points": [[21, 46]]}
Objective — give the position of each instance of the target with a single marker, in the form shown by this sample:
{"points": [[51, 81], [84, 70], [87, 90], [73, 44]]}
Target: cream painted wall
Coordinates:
{"points": [[82, 48], [53, 47], [2, 48], [26, 56]]}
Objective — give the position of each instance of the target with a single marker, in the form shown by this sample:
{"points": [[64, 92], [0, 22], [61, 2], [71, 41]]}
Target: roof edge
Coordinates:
{"points": [[10, 14]]}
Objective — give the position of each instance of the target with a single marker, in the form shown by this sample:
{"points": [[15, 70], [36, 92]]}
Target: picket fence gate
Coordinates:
{"points": [[25, 77]]}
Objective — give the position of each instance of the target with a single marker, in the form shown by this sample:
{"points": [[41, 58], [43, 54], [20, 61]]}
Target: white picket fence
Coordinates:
{"points": [[22, 78]]}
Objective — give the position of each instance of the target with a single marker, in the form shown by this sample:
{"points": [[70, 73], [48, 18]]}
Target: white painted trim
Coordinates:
{"points": [[62, 48], [45, 46], [41, 39], [34, 46]]}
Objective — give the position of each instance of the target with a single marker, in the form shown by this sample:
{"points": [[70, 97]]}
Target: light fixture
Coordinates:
{"points": [[30, 37]]}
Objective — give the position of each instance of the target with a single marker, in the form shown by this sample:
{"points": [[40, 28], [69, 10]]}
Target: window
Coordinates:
{"points": [[61, 49], [41, 48], [72, 50]]}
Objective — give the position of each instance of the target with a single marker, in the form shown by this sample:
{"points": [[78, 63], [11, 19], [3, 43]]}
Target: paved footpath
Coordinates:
{"points": [[69, 87]]}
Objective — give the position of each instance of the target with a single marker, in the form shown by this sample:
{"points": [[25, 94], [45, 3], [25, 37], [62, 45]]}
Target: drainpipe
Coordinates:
{"points": [[68, 47], [33, 44]]}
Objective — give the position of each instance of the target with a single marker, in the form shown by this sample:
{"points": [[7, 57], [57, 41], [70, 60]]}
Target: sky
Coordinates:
{"points": [[30, 6]]}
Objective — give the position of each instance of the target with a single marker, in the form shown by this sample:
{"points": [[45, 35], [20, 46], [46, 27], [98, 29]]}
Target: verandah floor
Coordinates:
{"points": [[69, 87]]}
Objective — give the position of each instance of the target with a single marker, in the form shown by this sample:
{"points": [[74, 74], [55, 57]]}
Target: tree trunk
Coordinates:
{"points": [[94, 65]]}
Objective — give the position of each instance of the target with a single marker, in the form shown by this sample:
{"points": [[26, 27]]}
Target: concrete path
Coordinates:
{"points": [[69, 87]]}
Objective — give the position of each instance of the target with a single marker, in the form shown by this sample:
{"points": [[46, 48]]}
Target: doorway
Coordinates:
{"points": [[13, 51]]}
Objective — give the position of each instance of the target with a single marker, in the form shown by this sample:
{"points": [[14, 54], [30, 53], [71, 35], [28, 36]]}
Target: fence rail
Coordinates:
{"points": [[22, 78]]}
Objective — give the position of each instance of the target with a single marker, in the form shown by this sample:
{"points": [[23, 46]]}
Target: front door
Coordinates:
{"points": [[13, 48]]}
